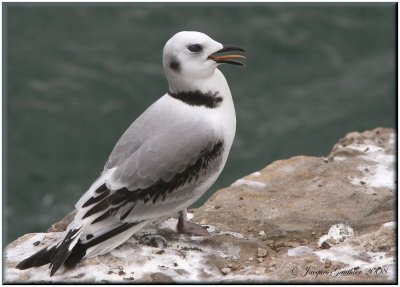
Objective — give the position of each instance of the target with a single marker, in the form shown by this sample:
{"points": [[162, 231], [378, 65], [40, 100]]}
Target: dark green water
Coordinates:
{"points": [[75, 77]]}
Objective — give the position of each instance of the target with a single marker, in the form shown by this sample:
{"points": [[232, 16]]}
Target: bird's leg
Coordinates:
{"points": [[182, 217], [188, 227]]}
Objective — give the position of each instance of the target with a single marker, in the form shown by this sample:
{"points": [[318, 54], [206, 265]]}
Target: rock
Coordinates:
{"points": [[344, 202], [262, 252], [327, 263], [326, 245], [161, 278], [153, 240], [63, 223], [291, 244], [226, 270]]}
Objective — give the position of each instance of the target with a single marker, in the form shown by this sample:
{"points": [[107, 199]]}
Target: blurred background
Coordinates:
{"points": [[76, 76]]}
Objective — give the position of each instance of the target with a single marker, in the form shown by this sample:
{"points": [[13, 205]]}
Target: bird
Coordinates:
{"points": [[164, 162]]}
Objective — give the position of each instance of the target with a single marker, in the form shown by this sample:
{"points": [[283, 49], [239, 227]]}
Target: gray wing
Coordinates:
{"points": [[143, 128], [165, 154], [158, 162]]}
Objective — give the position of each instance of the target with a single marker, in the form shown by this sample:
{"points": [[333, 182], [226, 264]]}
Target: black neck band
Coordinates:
{"points": [[197, 98]]}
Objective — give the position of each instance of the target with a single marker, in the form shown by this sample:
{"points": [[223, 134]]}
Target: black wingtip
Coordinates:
{"points": [[24, 264], [53, 271], [40, 258], [64, 250]]}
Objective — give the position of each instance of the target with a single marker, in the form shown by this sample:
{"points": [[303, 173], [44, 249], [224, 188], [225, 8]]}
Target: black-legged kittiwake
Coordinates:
{"points": [[166, 159]]}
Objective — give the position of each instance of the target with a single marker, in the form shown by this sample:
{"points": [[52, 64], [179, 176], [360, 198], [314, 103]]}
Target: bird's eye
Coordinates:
{"points": [[194, 48]]}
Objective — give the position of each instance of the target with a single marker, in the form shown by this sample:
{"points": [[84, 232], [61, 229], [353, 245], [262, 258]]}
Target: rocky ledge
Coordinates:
{"points": [[304, 219]]}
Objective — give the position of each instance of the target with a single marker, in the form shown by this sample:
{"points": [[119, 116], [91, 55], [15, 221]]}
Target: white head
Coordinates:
{"points": [[188, 59]]}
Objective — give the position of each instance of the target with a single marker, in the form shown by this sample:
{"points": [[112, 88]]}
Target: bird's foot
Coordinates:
{"points": [[190, 228]]}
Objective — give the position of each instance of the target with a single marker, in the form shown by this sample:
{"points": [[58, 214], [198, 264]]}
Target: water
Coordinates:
{"points": [[76, 76]]}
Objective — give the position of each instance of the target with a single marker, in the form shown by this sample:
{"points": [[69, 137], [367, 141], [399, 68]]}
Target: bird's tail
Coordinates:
{"points": [[72, 248], [56, 254]]}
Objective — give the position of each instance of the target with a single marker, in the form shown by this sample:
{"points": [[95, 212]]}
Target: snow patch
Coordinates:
{"points": [[250, 183], [391, 139], [299, 250], [228, 251], [380, 172], [257, 173], [169, 224], [337, 233], [131, 262], [390, 225], [172, 259], [347, 255], [231, 233], [190, 216], [383, 175], [185, 259]]}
